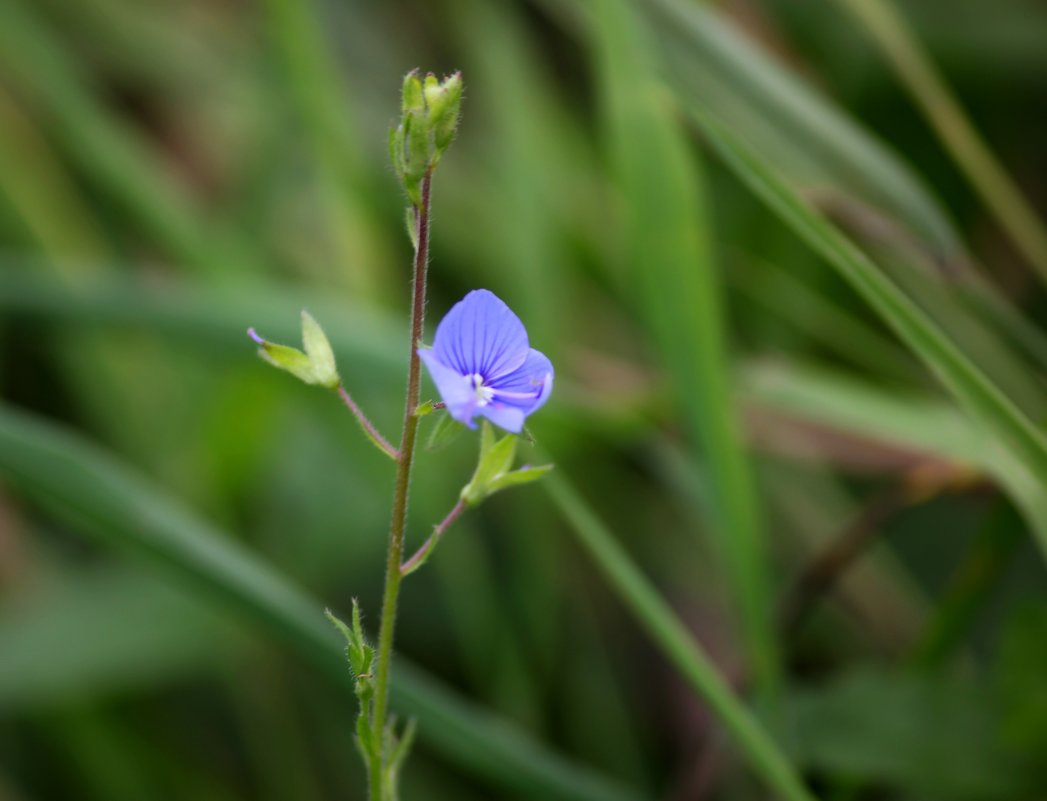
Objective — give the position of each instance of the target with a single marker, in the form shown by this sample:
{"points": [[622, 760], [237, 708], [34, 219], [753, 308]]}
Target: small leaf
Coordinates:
{"points": [[403, 746], [525, 475], [347, 633], [444, 433]]}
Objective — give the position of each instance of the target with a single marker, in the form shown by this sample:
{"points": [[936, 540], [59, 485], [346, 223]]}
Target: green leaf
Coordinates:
{"points": [[403, 745], [669, 634], [910, 421], [933, 735], [715, 69], [979, 396], [101, 498], [667, 252]]}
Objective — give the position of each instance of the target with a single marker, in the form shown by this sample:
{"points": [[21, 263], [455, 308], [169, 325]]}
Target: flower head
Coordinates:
{"points": [[483, 364]]}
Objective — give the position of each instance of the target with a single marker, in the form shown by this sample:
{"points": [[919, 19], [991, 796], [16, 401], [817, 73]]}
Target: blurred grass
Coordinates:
{"points": [[729, 399]]}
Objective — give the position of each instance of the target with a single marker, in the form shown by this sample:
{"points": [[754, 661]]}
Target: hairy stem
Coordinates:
{"points": [[419, 557], [400, 495], [369, 428]]}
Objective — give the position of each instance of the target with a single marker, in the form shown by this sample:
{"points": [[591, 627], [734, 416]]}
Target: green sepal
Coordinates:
{"points": [[445, 103], [525, 475], [358, 652], [416, 134], [319, 351], [446, 431], [411, 219], [492, 470], [315, 366], [496, 456], [412, 97], [428, 123], [396, 151]]}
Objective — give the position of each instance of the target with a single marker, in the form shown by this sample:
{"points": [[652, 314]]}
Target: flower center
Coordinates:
{"points": [[483, 394]]}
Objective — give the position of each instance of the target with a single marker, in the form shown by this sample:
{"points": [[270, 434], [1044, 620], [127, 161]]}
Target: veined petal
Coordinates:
{"points": [[481, 336], [527, 387], [511, 418], [455, 389]]}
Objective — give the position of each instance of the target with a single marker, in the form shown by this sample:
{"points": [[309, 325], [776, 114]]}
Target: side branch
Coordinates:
{"points": [[369, 428], [419, 557]]}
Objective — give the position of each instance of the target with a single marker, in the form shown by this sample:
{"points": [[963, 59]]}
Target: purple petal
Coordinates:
{"points": [[455, 389], [481, 335], [511, 418], [527, 387]]}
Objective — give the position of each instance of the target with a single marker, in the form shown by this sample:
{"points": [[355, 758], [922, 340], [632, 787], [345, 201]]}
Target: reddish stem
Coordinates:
{"points": [[369, 428], [422, 553]]}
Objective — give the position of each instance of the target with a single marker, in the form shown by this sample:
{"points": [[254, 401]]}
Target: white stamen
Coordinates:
{"points": [[483, 394]]}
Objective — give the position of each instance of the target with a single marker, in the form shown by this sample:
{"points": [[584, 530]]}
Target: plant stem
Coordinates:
{"points": [[403, 483], [369, 428], [419, 557]]}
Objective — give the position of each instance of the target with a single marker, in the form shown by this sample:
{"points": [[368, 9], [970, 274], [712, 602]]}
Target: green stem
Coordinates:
{"points": [[403, 484]]}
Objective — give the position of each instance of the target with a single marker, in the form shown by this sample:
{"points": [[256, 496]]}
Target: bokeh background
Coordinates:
{"points": [[856, 546]]}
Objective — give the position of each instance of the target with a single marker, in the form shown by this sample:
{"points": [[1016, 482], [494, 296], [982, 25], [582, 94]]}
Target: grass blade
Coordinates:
{"points": [[952, 367], [659, 621], [668, 256], [714, 68], [946, 116], [908, 422], [110, 153]]}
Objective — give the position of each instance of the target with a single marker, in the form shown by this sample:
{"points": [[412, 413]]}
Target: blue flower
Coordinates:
{"points": [[483, 364]]}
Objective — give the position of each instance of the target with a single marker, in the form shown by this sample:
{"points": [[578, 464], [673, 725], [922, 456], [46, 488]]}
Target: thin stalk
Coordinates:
{"points": [[945, 114], [403, 484], [369, 428], [419, 557]]}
